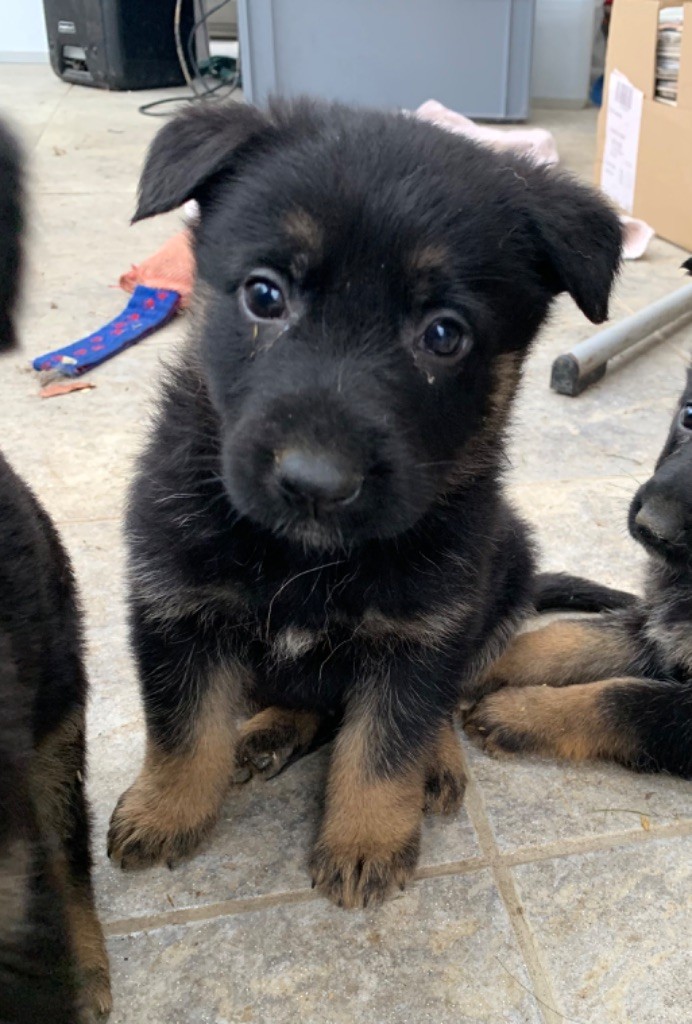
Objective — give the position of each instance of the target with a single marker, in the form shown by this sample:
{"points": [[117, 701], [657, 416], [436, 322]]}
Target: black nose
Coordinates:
{"points": [[660, 520], [316, 480]]}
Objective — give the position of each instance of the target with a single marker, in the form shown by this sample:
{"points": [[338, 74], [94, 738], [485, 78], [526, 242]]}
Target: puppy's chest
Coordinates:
{"points": [[669, 627], [308, 651]]}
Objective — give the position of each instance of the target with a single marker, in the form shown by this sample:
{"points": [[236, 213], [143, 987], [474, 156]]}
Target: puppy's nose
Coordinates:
{"points": [[317, 479], [661, 518]]}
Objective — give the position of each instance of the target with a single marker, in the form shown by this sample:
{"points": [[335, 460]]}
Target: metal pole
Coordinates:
{"points": [[586, 363]]}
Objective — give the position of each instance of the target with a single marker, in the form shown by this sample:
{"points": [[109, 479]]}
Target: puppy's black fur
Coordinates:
{"points": [[560, 591], [318, 520], [639, 711], [52, 957]]}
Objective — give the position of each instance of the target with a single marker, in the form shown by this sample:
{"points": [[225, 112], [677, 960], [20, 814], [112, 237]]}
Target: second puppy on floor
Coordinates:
{"points": [[318, 525], [617, 687], [53, 962]]}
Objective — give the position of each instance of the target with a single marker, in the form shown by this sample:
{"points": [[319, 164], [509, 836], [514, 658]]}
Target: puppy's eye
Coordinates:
{"points": [[686, 417], [263, 298], [446, 338]]}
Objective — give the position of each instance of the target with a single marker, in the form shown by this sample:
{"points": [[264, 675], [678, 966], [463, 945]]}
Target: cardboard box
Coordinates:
{"points": [[661, 181]]}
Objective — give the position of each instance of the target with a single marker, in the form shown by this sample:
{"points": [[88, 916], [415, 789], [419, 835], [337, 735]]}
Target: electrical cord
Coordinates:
{"points": [[193, 31], [179, 45], [195, 74]]}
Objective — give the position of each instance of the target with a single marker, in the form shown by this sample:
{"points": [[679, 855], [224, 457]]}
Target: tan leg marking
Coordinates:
{"points": [[15, 887], [370, 833], [57, 767], [445, 779], [560, 654], [56, 762], [568, 723], [271, 738], [175, 801], [89, 948]]}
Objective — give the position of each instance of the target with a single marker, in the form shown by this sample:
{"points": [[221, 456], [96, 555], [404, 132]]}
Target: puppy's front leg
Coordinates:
{"points": [[369, 837], [191, 689]]}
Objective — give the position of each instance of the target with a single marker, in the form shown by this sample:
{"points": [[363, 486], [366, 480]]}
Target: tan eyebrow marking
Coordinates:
{"points": [[303, 229], [429, 257]]}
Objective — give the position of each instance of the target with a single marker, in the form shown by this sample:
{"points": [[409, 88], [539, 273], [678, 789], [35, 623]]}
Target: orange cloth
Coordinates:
{"points": [[171, 267]]}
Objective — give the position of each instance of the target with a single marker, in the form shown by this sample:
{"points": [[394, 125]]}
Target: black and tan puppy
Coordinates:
{"points": [[318, 526], [53, 964], [618, 687]]}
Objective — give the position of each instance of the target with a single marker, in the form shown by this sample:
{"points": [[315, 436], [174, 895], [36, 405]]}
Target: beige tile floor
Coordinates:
{"points": [[544, 900]]}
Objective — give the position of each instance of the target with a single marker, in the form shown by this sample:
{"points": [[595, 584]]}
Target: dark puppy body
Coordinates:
{"points": [[11, 223], [52, 957], [318, 525], [629, 673], [36, 975]]}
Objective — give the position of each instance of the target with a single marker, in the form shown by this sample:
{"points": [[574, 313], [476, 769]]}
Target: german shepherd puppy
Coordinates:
{"points": [[618, 687], [318, 525], [53, 964]]}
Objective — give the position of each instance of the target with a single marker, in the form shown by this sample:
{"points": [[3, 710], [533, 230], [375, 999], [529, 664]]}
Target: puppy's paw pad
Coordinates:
{"points": [[353, 880], [444, 791]]}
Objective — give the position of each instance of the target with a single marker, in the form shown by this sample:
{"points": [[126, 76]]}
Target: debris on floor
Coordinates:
{"points": [[56, 388]]}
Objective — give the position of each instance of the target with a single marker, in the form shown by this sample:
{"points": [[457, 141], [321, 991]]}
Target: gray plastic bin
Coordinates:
{"points": [[471, 55]]}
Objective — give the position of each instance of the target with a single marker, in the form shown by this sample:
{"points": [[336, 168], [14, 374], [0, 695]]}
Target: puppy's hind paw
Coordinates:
{"points": [[271, 740], [444, 791], [492, 724]]}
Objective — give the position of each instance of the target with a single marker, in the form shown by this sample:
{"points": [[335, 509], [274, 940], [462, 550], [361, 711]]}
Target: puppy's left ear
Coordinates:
{"points": [[192, 149], [579, 239]]}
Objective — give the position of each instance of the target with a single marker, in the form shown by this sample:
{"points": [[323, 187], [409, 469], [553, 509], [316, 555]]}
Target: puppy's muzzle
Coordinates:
{"points": [[660, 523], [315, 482]]}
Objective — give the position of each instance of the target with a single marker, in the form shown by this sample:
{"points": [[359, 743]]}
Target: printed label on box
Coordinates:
{"points": [[623, 121]]}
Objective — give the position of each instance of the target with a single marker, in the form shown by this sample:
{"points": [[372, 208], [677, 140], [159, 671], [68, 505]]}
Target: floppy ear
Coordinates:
{"points": [[580, 240], [191, 149]]}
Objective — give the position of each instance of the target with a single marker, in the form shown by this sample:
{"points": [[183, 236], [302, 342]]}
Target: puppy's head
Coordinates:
{"points": [[371, 285], [11, 222], [660, 515]]}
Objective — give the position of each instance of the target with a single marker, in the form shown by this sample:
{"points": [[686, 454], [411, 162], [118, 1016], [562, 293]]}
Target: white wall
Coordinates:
{"points": [[23, 31], [563, 44]]}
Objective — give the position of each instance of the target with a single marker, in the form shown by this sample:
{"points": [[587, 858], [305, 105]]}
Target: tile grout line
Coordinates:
{"points": [[541, 986], [208, 912], [592, 844], [230, 907], [499, 863]]}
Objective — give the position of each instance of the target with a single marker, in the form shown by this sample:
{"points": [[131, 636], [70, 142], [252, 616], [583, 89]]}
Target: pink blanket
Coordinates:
{"points": [[539, 145]]}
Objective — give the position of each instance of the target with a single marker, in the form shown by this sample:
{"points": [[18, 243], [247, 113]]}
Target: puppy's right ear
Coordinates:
{"points": [[190, 150]]}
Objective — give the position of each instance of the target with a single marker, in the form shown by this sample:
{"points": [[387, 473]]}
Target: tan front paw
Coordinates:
{"points": [[95, 1000], [353, 878], [143, 832]]}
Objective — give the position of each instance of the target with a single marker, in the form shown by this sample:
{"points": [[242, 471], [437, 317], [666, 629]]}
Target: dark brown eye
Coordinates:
{"points": [[686, 417], [446, 338], [264, 298]]}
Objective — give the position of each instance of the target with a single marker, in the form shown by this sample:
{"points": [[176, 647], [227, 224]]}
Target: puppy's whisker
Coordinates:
{"points": [[292, 579]]}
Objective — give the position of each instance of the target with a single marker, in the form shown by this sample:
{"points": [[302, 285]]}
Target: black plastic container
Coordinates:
{"points": [[117, 44]]}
